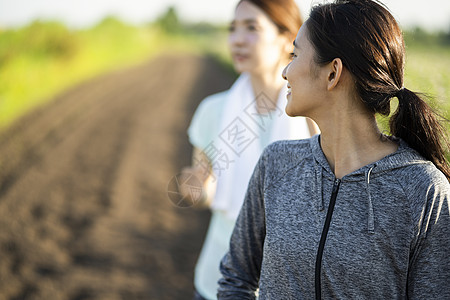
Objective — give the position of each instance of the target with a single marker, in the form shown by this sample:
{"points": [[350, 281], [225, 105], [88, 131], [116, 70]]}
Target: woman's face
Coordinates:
{"points": [[255, 42], [303, 77]]}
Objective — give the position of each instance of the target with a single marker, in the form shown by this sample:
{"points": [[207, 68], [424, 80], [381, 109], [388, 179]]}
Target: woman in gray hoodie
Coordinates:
{"points": [[352, 213]]}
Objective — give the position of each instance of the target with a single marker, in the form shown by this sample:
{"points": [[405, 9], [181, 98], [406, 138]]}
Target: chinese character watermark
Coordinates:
{"points": [[238, 136], [185, 189], [266, 111]]}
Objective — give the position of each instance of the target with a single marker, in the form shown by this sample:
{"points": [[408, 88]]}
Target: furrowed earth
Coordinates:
{"points": [[84, 208]]}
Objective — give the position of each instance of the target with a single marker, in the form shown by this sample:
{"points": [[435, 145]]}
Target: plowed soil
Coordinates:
{"points": [[84, 211]]}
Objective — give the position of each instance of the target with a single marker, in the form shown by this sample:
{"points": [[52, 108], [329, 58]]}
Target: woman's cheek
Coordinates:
{"points": [[253, 39]]}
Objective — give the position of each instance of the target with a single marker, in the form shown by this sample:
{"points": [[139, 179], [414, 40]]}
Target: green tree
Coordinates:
{"points": [[169, 21]]}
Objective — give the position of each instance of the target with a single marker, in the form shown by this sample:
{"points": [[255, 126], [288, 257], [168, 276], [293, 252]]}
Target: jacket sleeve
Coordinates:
{"points": [[241, 266], [429, 275]]}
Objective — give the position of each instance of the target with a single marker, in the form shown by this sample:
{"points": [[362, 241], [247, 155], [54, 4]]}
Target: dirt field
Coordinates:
{"points": [[84, 211]]}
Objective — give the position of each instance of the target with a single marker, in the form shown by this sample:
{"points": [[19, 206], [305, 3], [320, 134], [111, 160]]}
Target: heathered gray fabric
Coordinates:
{"points": [[388, 237]]}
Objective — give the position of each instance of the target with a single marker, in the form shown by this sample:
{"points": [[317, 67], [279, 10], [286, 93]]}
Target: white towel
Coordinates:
{"points": [[237, 148]]}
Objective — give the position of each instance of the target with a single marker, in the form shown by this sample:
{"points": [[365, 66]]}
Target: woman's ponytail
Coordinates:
{"points": [[417, 124]]}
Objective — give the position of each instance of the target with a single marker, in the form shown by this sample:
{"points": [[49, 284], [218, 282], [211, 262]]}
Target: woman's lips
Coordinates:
{"points": [[240, 57]]}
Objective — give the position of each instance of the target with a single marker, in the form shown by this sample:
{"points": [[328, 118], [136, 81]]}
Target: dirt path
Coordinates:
{"points": [[84, 212]]}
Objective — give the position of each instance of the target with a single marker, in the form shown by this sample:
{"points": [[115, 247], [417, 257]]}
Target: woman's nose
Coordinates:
{"points": [[237, 37]]}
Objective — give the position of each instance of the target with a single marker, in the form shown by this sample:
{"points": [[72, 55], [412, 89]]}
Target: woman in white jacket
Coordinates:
{"points": [[230, 129]]}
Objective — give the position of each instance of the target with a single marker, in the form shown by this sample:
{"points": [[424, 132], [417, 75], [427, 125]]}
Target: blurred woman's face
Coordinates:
{"points": [[256, 45]]}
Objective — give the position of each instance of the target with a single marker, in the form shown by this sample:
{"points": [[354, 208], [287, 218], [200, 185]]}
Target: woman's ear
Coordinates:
{"points": [[334, 73]]}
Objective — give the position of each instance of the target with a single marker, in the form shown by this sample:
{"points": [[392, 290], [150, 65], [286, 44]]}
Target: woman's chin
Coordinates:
{"points": [[244, 67], [240, 67], [289, 111]]}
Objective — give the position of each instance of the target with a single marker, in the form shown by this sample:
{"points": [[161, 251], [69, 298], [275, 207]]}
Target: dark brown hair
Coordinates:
{"points": [[284, 13], [368, 40]]}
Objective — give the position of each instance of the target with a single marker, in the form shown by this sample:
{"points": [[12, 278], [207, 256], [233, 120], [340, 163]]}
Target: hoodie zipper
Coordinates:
{"points": [[323, 238]]}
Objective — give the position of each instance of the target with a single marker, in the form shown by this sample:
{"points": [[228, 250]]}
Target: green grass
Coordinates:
{"points": [[427, 72], [44, 58]]}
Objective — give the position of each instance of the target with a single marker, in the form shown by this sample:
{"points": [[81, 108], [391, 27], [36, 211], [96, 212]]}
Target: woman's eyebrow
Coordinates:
{"points": [[245, 21], [250, 21]]}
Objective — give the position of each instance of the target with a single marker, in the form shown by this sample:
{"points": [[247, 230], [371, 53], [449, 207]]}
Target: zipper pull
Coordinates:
{"points": [[336, 184]]}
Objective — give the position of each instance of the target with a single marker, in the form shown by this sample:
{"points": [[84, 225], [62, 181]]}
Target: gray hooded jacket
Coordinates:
{"points": [[387, 235]]}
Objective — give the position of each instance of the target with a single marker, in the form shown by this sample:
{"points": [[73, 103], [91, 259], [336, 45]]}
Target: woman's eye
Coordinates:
{"points": [[231, 29], [251, 27]]}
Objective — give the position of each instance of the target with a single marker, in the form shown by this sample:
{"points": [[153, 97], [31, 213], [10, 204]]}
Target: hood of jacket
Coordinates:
{"points": [[404, 156]]}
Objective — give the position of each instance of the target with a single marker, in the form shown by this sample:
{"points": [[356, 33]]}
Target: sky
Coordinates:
{"points": [[429, 14]]}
